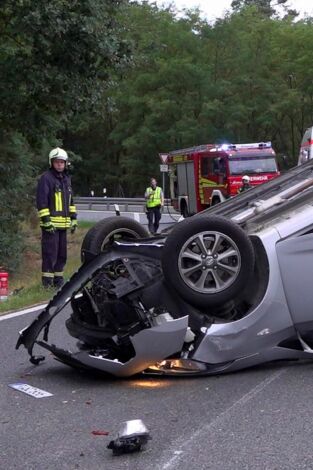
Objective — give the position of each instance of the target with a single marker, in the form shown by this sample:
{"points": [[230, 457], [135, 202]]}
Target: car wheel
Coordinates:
{"points": [[208, 260], [102, 235]]}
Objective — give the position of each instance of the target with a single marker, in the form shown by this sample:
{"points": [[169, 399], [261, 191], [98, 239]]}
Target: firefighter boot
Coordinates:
{"points": [[58, 281], [47, 281]]}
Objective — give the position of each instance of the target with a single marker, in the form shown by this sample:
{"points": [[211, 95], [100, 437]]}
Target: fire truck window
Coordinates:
{"points": [[248, 164], [205, 166], [222, 167], [216, 166]]}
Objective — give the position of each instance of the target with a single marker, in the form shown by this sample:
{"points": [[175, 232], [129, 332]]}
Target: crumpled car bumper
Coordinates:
{"points": [[148, 344]]}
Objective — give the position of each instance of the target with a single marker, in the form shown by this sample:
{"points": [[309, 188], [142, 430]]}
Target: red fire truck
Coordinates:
{"points": [[208, 174]]}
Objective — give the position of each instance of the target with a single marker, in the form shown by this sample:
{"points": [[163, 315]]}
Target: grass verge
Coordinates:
{"points": [[25, 287]]}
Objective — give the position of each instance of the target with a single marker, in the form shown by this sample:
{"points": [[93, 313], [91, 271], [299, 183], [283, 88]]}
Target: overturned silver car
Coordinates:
{"points": [[223, 290]]}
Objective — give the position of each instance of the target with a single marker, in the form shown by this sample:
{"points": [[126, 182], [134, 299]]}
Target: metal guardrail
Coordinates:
{"points": [[108, 203]]}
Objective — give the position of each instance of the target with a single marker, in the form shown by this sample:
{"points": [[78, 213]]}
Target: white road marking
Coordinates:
{"points": [[181, 448], [22, 312]]}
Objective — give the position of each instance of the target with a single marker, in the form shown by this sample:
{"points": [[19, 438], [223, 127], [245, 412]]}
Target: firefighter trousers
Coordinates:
{"points": [[154, 217], [54, 255]]}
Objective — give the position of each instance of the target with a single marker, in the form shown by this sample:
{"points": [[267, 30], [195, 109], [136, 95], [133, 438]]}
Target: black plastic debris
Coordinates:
{"points": [[131, 438]]}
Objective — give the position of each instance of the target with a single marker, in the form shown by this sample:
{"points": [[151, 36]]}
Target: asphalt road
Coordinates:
{"points": [[261, 418]]}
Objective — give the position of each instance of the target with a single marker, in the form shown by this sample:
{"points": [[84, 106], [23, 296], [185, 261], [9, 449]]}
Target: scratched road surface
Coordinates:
{"points": [[257, 419]]}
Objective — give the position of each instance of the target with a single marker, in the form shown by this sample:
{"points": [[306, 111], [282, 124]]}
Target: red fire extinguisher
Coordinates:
{"points": [[4, 284]]}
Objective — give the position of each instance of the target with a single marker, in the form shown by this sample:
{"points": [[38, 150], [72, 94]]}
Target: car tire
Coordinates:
{"points": [[208, 260], [102, 235]]}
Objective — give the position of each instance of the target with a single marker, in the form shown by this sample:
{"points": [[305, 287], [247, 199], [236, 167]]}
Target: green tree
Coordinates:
{"points": [[56, 59], [16, 187], [192, 82], [266, 7], [159, 100]]}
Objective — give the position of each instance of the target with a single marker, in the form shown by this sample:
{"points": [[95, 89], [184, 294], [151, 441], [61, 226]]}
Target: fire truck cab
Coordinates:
{"points": [[208, 174]]}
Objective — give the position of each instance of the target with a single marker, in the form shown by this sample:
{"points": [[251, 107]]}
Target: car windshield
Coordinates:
{"points": [[251, 165]]}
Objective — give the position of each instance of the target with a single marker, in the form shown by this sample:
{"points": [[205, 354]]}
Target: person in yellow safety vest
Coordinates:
{"points": [[154, 202]]}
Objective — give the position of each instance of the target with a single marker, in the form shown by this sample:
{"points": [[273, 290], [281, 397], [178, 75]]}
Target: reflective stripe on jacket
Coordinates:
{"points": [[55, 200], [154, 196]]}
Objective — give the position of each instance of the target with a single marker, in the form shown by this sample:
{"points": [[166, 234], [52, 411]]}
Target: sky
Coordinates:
{"points": [[213, 9]]}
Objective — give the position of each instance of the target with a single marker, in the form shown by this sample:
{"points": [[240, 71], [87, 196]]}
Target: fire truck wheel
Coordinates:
{"points": [[215, 201], [106, 231], [208, 260]]}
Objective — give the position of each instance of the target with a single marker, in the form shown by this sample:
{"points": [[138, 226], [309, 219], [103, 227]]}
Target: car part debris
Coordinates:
{"points": [[30, 390], [131, 438]]}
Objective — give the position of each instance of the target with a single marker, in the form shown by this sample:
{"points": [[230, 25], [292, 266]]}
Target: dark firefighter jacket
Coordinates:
{"points": [[55, 199], [244, 187]]}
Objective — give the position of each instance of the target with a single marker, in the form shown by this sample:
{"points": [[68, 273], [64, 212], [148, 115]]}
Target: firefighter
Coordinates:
{"points": [[57, 214], [154, 202], [245, 184]]}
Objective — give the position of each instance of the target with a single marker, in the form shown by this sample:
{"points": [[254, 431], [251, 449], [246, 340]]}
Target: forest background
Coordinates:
{"points": [[117, 82]]}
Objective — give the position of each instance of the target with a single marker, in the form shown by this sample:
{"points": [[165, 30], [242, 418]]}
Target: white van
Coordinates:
{"points": [[306, 148]]}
